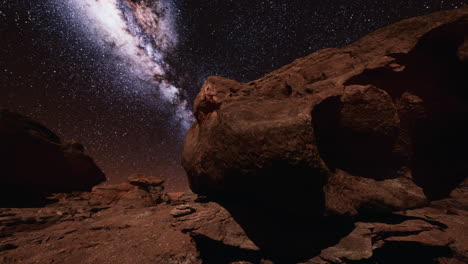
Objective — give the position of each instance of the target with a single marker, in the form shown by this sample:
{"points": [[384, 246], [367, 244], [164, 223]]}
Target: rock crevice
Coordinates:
{"points": [[320, 145]]}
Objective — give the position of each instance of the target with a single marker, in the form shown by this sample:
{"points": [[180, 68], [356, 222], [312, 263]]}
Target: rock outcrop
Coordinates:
{"points": [[308, 156], [34, 162], [122, 223], [112, 224]]}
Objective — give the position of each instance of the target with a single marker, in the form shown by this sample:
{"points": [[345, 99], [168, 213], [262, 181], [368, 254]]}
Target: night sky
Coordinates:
{"points": [[120, 76]]}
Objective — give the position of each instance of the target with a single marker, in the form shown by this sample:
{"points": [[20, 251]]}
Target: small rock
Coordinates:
{"points": [[182, 210], [144, 181], [184, 207]]}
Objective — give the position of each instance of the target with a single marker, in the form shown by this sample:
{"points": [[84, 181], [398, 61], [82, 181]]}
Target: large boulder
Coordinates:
{"points": [[300, 155], [34, 162]]}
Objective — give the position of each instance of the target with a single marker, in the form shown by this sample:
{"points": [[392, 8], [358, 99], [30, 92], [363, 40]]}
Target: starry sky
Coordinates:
{"points": [[120, 76]]}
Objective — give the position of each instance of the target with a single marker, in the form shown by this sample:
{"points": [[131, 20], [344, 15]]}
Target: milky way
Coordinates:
{"points": [[142, 35]]}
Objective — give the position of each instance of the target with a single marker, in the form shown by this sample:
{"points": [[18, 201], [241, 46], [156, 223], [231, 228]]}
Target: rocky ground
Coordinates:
{"points": [[139, 223], [132, 222], [353, 155]]}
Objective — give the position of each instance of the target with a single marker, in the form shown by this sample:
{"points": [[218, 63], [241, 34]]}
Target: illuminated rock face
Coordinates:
{"points": [[342, 134], [34, 162]]}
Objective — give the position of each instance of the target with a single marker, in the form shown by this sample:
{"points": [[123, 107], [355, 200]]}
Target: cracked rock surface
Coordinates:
{"points": [[355, 155], [122, 223]]}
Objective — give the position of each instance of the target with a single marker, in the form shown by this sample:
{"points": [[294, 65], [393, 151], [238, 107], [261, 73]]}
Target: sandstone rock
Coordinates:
{"points": [[152, 185], [113, 235], [182, 210], [302, 154], [34, 162], [144, 181], [140, 192], [213, 222], [425, 235], [78, 230], [123, 194], [180, 198], [219, 238], [103, 227]]}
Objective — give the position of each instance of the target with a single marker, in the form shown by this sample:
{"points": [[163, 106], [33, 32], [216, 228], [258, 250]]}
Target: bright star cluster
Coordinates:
{"points": [[142, 35]]}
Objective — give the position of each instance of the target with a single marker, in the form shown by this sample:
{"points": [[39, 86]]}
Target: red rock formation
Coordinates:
{"points": [[34, 162], [341, 136], [121, 223]]}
